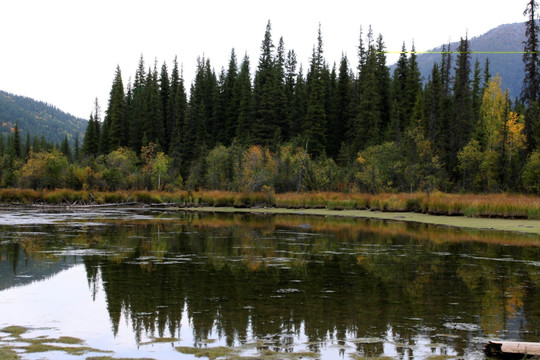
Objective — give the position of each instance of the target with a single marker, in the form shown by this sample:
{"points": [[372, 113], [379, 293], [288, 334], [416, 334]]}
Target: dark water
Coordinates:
{"points": [[263, 286]]}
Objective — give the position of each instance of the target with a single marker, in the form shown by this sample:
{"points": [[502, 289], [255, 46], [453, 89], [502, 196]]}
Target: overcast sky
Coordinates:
{"points": [[65, 52]]}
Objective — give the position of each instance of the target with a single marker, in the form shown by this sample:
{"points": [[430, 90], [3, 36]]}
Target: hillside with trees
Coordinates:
{"points": [[504, 38], [38, 118], [273, 125]]}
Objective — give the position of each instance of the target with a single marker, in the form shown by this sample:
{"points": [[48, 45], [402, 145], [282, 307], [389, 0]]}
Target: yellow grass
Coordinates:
{"points": [[437, 203]]}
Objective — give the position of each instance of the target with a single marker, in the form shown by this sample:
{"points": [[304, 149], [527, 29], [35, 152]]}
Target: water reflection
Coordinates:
{"points": [[288, 283]]}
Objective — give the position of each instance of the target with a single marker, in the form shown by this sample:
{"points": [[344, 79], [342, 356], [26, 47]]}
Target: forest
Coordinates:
{"points": [[284, 128]]}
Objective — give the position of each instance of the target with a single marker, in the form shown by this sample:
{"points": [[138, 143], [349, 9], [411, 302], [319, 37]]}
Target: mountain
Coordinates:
{"points": [[508, 37], [38, 118]]}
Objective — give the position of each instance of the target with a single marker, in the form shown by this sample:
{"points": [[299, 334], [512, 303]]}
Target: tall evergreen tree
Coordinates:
{"points": [[243, 97], [384, 85], [115, 115], [399, 95], [290, 93], [91, 138], [136, 112], [342, 116], [16, 149], [530, 92], [300, 101], [315, 123], [177, 116], [227, 112], [462, 121], [164, 94], [264, 99]]}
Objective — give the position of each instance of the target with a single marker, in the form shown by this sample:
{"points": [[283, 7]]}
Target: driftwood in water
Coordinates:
{"points": [[512, 349]]}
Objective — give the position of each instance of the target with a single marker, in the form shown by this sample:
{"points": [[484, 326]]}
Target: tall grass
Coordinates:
{"points": [[437, 203]]}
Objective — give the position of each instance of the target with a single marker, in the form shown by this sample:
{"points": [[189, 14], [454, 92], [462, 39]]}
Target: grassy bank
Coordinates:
{"points": [[468, 205]]}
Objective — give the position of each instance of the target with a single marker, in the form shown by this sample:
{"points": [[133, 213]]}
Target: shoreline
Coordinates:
{"points": [[523, 226], [494, 224]]}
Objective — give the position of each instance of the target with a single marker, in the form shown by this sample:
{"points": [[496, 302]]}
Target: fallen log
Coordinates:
{"points": [[512, 349]]}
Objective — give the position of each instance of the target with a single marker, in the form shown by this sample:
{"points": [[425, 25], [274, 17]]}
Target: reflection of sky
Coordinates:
{"points": [[63, 304]]}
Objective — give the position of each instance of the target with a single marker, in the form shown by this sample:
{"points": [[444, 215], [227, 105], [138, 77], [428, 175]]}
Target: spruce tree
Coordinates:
{"points": [[227, 106], [65, 148], [115, 115], [462, 121], [27, 146], [530, 92], [300, 101], [314, 128], [341, 118], [384, 81], [177, 115], [137, 108], [16, 147], [243, 97], [290, 92], [264, 99], [164, 95]]}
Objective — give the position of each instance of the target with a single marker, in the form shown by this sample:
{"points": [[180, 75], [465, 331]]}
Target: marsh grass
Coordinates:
{"points": [[436, 203]]}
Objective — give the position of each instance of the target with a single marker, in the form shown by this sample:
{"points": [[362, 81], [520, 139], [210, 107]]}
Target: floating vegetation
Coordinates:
{"points": [[211, 353], [39, 344]]}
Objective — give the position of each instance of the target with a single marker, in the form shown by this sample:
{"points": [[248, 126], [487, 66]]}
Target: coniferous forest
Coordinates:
{"points": [[272, 124]]}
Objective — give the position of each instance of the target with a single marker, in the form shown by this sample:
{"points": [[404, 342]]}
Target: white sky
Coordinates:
{"points": [[65, 52]]}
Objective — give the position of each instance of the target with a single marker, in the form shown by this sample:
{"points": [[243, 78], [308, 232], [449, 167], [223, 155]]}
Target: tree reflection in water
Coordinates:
{"points": [[278, 281]]}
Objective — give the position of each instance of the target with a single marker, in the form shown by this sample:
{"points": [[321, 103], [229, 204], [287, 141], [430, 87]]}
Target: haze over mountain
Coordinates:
{"points": [[38, 118], [508, 38]]}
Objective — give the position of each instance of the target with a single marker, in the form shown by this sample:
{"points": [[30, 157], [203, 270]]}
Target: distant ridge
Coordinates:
{"points": [[38, 118], [504, 38]]}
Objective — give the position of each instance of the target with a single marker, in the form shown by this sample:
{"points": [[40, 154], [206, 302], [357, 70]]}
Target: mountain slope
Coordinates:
{"points": [[38, 118], [508, 37]]}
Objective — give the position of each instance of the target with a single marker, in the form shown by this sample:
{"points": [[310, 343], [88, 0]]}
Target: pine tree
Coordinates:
{"points": [[264, 99], [477, 92], [27, 146], [299, 105], [530, 91], [164, 95], [137, 108], [399, 91], [115, 115], [65, 148], [315, 123], [341, 118], [433, 104], [91, 139], [290, 93], [16, 147], [243, 97], [227, 114], [462, 121], [413, 86], [384, 82], [76, 149], [177, 116]]}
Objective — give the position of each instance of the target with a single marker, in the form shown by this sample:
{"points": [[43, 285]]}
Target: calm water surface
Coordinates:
{"points": [[170, 285]]}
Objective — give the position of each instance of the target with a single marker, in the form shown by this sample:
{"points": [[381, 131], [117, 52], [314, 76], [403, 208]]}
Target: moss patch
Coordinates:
{"points": [[111, 358], [15, 331], [42, 344], [211, 353], [8, 354]]}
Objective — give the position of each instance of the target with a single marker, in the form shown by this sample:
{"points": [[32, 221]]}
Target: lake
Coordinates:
{"points": [[106, 284]]}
